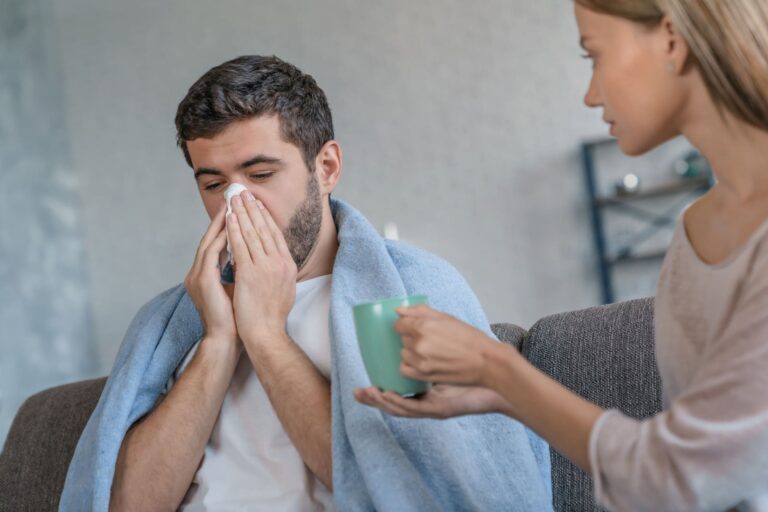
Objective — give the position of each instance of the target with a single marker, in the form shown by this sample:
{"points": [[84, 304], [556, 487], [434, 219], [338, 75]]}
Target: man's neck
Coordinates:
{"points": [[323, 255]]}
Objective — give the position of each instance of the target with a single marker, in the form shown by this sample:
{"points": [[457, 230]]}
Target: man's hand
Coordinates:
{"points": [[160, 454], [265, 290], [203, 283], [265, 283]]}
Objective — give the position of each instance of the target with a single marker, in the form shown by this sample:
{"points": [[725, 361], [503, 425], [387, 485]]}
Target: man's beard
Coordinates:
{"points": [[304, 226]]}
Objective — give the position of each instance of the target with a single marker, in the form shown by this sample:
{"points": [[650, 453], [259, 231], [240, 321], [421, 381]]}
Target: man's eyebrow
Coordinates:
{"points": [[203, 170], [260, 159]]}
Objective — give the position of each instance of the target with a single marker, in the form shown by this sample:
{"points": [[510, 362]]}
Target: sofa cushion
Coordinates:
{"points": [[40, 444]]}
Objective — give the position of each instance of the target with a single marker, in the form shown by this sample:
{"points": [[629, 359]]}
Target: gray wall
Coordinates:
{"points": [[45, 328], [459, 121]]}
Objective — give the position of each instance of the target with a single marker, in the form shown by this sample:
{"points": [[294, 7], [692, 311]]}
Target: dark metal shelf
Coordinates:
{"points": [[663, 190], [631, 205], [637, 257]]}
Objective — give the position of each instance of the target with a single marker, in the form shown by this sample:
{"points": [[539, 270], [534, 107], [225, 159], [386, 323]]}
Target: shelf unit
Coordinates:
{"points": [[631, 204]]}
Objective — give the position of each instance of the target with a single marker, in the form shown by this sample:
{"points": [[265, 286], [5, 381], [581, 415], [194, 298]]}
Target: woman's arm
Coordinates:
{"points": [[550, 409], [707, 451], [495, 378]]}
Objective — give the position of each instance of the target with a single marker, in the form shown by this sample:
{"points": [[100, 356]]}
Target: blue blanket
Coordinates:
{"points": [[379, 462]]}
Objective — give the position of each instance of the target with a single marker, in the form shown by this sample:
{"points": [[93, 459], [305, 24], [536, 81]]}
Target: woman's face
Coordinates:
{"points": [[636, 78]]}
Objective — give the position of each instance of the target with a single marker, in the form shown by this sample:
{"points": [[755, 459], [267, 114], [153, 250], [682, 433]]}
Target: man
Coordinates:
{"points": [[246, 419], [280, 384]]}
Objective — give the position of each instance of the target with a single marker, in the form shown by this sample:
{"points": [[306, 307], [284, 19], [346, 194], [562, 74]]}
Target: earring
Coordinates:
{"points": [[671, 67]]}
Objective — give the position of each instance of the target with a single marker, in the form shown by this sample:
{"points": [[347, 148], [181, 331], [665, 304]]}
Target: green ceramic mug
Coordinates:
{"points": [[380, 345]]}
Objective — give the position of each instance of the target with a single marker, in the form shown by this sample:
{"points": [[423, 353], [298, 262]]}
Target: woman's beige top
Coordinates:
{"points": [[708, 449]]}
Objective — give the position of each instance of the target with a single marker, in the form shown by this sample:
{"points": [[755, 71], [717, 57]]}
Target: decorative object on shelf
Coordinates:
{"points": [[628, 185], [692, 166]]}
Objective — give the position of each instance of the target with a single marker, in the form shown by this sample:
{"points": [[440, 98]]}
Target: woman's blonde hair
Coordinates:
{"points": [[728, 40]]}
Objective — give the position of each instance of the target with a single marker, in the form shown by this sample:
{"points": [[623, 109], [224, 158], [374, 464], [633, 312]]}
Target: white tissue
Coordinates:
{"points": [[232, 190]]}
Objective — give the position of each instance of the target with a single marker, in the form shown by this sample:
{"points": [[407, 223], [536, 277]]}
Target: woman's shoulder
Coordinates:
{"points": [[717, 238]]}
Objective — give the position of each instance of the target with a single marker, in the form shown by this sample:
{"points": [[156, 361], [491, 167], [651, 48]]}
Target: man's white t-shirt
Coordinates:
{"points": [[249, 462]]}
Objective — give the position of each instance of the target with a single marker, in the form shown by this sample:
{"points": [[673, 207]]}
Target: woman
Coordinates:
{"points": [[660, 68]]}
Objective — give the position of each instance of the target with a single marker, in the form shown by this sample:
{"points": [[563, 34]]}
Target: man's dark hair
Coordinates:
{"points": [[253, 86]]}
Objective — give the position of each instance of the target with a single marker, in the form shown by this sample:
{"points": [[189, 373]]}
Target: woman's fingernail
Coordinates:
{"points": [[237, 201], [249, 196], [260, 205]]}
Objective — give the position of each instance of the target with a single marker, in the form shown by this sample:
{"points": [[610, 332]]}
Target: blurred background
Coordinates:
{"points": [[462, 124]]}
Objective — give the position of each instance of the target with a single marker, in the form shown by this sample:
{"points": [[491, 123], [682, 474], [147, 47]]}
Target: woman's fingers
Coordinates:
{"points": [[256, 211], [406, 370], [407, 326], [408, 356], [420, 310], [397, 404], [368, 396], [422, 407], [413, 321], [411, 334], [375, 398], [414, 366]]}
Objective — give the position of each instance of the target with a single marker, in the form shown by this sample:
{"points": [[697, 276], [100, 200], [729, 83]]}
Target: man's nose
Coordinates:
{"points": [[234, 188]]}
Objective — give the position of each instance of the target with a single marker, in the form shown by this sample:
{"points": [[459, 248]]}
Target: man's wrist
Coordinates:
{"points": [[223, 343], [220, 349], [265, 338]]}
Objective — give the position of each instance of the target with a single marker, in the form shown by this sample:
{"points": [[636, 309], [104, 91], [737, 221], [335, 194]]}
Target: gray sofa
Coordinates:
{"points": [[603, 353]]}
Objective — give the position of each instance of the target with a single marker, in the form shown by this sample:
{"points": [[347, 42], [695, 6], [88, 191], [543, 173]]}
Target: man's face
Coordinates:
{"points": [[253, 153]]}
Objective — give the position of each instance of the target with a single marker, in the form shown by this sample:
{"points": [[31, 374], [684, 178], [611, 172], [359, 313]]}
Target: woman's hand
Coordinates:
{"points": [[440, 348], [491, 377], [442, 401], [265, 279], [203, 283]]}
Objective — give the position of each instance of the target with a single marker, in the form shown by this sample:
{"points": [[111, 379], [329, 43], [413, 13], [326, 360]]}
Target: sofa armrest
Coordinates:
{"points": [[605, 354], [509, 333], [41, 442]]}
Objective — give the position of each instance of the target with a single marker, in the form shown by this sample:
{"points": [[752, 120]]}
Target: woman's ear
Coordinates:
{"points": [[676, 50], [328, 166]]}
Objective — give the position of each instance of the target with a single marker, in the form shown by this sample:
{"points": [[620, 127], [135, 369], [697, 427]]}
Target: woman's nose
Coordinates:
{"points": [[592, 98]]}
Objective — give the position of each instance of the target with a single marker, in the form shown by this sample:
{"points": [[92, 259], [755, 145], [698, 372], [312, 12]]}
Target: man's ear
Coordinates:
{"points": [[328, 166], [677, 52]]}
